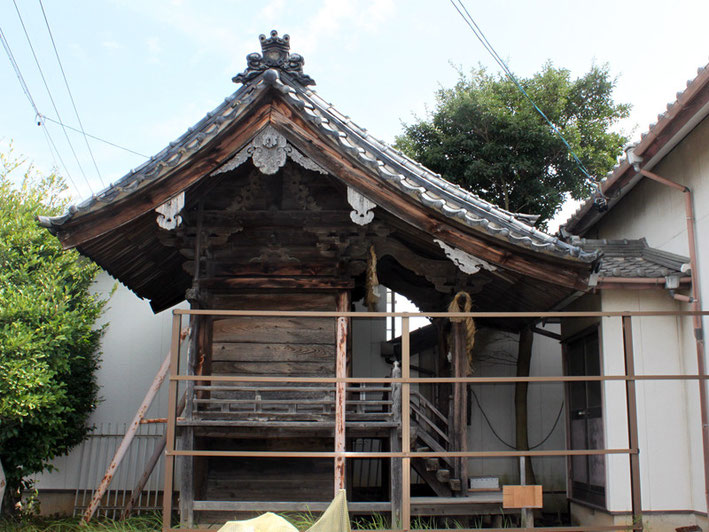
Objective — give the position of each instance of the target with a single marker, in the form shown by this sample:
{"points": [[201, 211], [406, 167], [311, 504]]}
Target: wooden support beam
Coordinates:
{"points": [[128, 438], [343, 304], [149, 467]]}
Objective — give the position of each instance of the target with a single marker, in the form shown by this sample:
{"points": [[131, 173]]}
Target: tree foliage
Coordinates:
{"points": [[485, 136], [48, 342]]}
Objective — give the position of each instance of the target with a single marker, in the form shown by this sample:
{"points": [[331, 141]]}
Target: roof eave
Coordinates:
{"points": [[681, 117]]}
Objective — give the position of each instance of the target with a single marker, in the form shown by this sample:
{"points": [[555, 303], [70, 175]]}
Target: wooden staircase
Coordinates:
{"points": [[429, 432]]}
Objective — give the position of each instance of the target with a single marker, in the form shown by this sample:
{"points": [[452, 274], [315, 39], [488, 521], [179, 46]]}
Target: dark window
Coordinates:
{"points": [[588, 473]]}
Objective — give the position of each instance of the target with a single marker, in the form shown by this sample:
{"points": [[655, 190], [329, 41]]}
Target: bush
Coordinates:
{"points": [[48, 342]]}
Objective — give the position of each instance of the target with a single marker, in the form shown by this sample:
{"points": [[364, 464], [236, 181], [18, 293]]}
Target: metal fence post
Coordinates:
{"points": [[171, 422], [631, 404]]}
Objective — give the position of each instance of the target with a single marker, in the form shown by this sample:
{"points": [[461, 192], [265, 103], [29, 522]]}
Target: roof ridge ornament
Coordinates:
{"points": [[275, 53]]}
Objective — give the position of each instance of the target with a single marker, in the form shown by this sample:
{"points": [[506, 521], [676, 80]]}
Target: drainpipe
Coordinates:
{"points": [[696, 304]]}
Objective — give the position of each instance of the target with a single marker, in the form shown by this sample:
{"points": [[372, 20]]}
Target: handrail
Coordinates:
{"points": [[428, 404], [430, 423], [353, 314]]}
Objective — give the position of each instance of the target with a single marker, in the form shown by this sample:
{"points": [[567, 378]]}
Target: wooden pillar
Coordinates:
{"points": [[343, 304], [443, 390], [171, 422], [405, 425], [459, 413], [633, 439], [395, 446]]}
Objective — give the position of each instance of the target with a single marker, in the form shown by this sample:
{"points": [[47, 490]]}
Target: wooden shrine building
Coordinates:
{"points": [[277, 201]]}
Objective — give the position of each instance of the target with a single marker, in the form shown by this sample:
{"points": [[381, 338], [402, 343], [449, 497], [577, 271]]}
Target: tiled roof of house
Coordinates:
{"points": [[634, 258], [678, 120], [390, 165]]}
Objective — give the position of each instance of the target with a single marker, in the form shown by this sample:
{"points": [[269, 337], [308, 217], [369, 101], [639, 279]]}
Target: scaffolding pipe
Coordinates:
{"points": [[696, 305]]}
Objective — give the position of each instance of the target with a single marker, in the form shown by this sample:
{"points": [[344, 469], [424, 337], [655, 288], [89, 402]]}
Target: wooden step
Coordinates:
{"points": [[432, 464], [423, 449], [443, 475], [454, 484]]}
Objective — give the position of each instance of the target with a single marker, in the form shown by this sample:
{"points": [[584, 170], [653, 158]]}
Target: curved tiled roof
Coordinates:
{"points": [[421, 184], [634, 259]]}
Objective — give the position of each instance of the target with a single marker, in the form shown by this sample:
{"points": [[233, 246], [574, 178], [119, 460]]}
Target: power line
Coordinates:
{"points": [[486, 44], [71, 97], [46, 86], [531, 447], [93, 136], [38, 115]]}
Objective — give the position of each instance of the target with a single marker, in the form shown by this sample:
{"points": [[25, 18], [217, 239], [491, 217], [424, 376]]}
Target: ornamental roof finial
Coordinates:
{"points": [[275, 53]]}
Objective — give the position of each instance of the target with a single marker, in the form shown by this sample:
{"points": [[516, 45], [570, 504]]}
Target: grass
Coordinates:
{"points": [[143, 523], [153, 523]]}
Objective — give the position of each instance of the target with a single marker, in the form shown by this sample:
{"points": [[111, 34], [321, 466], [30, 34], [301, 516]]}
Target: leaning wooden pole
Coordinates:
{"points": [[150, 466], [127, 440]]}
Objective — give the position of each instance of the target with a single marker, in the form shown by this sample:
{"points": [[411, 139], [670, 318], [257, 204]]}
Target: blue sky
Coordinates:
{"points": [[143, 71]]}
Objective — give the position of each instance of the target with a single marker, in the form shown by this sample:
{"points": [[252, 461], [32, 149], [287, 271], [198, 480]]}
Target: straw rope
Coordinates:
{"points": [[372, 296], [462, 302]]}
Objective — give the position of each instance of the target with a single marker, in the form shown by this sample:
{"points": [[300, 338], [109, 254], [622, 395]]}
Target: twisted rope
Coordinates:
{"points": [[462, 302], [372, 296]]}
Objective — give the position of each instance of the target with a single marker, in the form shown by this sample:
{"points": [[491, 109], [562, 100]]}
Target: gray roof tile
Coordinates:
{"points": [[634, 258], [423, 185]]}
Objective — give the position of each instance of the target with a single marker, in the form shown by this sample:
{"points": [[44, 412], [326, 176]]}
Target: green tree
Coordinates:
{"points": [[485, 136], [48, 341]]}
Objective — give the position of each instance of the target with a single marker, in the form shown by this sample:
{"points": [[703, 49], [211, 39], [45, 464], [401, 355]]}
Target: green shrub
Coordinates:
{"points": [[48, 342]]}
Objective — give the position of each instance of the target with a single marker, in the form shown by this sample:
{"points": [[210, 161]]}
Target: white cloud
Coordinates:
{"points": [[154, 49], [273, 8], [111, 45], [375, 14]]}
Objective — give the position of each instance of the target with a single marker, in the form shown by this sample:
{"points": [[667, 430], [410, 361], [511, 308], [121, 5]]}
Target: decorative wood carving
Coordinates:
{"points": [[169, 212], [300, 193], [439, 273], [269, 151], [362, 213], [274, 254], [464, 261]]}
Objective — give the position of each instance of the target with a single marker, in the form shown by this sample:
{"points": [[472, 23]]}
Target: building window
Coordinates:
{"points": [[587, 481]]}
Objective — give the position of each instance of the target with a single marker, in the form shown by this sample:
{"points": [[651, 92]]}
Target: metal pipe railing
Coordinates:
{"points": [[405, 455]]}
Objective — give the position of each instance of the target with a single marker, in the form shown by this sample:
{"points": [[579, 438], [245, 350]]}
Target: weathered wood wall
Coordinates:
{"points": [[274, 346]]}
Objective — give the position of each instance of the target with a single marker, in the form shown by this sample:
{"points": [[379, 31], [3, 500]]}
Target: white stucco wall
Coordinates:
{"points": [[668, 412], [497, 354], [134, 344], [668, 417]]}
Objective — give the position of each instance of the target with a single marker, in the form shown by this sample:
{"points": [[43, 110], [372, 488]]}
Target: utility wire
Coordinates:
{"points": [[46, 86], [71, 96], [467, 17], [45, 117], [38, 115], [531, 447]]}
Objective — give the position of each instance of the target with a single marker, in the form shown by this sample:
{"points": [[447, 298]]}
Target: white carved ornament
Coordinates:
{"points": [[169, 212], [465, 262], [362, 213], [269, 151]]}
